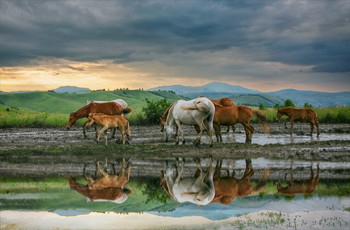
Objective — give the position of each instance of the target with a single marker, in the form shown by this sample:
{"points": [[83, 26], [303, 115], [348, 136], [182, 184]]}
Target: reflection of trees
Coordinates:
{"points": [[153, 191]]}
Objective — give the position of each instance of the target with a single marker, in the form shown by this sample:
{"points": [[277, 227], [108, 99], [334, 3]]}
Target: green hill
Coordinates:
{"points": [[64, 103]]}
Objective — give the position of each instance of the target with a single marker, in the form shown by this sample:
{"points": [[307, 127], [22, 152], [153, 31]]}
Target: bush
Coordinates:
{"points": [[154, 110], [288, 103]]}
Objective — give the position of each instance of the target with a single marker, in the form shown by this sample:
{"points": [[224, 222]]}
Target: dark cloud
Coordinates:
{"points": [[292, 32]]}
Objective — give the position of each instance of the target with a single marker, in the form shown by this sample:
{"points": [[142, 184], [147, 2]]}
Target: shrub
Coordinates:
{"points": [[154, 110]]}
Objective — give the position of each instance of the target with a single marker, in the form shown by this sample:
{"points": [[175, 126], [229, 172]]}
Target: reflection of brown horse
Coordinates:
{"points": [[109, 108], [303, 187], [228, 188], [108, 187], [299, 115], [237, 114]]}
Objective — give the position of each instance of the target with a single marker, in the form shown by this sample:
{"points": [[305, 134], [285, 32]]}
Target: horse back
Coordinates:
{"points": [[108, 108]]}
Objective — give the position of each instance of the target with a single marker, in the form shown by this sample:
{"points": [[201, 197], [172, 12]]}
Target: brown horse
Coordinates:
{"points": [[299, 115], [228, 188], [109, 108], [303, 187], [107, 187], [237, 114]]}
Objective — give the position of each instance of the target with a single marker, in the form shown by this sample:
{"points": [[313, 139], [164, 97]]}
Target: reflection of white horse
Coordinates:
{"points": [[192, 112], [121, 102], [190, 189]]}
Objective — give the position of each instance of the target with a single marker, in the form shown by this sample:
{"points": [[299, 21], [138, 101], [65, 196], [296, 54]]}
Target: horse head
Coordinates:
{"points": [[162, 124], [168, 132], [90, 119], [72, 120]]}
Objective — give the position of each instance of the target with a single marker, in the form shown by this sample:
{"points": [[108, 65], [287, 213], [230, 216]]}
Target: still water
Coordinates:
{"points": [[216, 190]]}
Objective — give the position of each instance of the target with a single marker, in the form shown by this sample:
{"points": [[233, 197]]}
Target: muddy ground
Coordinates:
{"points": [[52, 152]]}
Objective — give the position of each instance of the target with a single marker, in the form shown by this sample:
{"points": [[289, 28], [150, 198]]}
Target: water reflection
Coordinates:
{"points": [[198, 189], [104, 186], [209, 187], [301, 187]]}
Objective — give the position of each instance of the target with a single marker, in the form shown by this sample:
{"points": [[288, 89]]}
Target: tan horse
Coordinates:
{"points": [[237, 114], [106, 187], [109, 108], [299, 115], [108, 121], [303, 187]]}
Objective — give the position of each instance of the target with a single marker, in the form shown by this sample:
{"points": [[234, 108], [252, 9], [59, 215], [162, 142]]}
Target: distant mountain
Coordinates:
{"points": [[71, 89], [241, 95], [211, 88]]}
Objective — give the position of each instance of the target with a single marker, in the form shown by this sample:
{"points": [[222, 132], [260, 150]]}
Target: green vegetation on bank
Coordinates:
{"points": [[50, 109]]}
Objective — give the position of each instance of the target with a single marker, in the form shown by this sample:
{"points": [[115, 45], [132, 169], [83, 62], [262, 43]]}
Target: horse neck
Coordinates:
{"points": [[82, 112]]}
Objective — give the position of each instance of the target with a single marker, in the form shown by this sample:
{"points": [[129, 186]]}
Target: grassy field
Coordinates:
{"points": [[50, 109]]}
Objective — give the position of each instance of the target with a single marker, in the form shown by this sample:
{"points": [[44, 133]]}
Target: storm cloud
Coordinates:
{"points": [[221, 38]]}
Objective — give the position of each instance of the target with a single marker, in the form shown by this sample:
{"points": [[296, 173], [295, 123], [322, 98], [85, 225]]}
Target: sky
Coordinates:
{"points": [[263, 45]]}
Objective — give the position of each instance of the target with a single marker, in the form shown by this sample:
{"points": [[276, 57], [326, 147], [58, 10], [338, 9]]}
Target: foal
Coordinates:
{"points": [[107, 122]]}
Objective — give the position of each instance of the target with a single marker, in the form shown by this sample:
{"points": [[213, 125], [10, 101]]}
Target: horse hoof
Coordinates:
{"points": [[211, 146]]}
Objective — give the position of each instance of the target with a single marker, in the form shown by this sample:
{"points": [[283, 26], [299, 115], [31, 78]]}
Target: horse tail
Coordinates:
{"points": [[127, 111], [261, 118], [128, 128], [316, 118], [262, 182]]}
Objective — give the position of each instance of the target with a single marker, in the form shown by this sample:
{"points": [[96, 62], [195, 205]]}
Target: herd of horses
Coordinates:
{"points": [[203, 188], [206, 115]]}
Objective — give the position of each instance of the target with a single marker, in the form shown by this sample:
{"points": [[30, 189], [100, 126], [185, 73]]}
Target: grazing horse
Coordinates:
{"points": [[107, 187], [228, 188], [237, 114], [303, 187], [191, 112], [109, 108], [109, 121], [299, 115], [189, 189], [121, 102]]}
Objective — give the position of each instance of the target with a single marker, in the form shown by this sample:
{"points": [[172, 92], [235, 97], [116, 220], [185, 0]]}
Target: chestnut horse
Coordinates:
{"points": [[299, 115], [237, 114], [303, 187], [110, 121], [228, 188], [109, 108], [227, 102], [107, 187]]}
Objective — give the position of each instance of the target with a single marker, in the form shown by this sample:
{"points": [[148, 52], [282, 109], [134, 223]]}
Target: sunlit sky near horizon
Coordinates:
{"points": [[262, 45]]}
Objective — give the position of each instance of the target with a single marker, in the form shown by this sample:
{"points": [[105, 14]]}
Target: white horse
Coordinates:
{"points": [[192, 112], [121, 102], [190, 189]]}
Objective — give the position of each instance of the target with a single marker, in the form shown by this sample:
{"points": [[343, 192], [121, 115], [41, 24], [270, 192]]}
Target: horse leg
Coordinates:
{"points": [[95, 126], [179, 172], [291, 126], [113, 134], [98, 168], [199, 135], [99, 133], [228, 129], [217, 131], [312, 128], [178, 124], [84, 129], [105, 134], [249, 130]]}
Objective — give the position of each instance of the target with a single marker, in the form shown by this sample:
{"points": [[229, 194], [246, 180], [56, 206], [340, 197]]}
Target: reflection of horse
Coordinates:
{"points": [[109, 108], [304, 187], [237, 114], [108, 187], [121, 102], [189, 189], [110, 121], [191, 112], [299, 115], [228, 188]]}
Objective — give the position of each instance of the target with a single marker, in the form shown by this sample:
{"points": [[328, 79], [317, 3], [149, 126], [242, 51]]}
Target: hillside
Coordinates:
{"points": [[52, 102], [241, 95]]}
